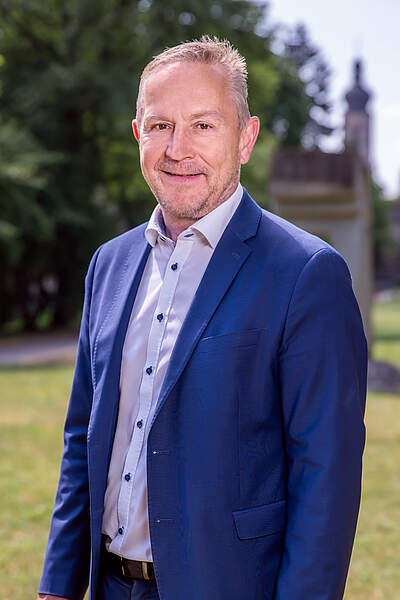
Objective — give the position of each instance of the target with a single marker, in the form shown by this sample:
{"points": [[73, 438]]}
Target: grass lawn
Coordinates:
{"points": [[32, 410], [375, 566], [386, 327]]}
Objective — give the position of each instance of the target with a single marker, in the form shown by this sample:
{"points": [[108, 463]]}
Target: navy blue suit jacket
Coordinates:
{"points": [[254, 454]]}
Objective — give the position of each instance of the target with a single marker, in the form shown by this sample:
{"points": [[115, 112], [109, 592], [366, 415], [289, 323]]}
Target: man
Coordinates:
{"points": [[214, 436]]}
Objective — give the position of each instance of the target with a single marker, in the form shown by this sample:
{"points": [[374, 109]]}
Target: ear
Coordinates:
{"points": [[248, 137], [135, 129]]}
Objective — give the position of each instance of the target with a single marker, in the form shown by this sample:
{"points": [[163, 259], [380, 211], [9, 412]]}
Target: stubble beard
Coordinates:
{"points": [[194, 211]]}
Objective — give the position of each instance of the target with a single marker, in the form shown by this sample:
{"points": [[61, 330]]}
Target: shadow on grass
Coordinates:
{"points": [[36, 367], [387, 337]]}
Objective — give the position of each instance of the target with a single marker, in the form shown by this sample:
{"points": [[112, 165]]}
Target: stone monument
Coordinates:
{"points": [[328, 194]]}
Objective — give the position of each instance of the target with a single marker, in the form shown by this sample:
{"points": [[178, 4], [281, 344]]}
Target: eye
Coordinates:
{"points": [[203, 126], [160, 126]]}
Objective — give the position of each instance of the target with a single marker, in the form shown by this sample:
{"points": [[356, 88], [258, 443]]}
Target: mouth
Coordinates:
{"points": [[182, 177]]}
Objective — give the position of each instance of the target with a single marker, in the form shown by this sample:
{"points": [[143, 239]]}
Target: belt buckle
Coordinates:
{"points": [[124, 572], [145, 571]]}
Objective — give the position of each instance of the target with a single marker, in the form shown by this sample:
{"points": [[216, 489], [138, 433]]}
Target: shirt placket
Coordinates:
{"points": [[174, 267]]}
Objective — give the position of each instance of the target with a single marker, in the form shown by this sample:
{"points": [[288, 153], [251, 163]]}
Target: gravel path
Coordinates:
{"points": [[35, 349]]}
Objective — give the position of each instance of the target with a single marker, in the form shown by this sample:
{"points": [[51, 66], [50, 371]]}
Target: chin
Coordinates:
{"points": [[185, 212], [184, 206]]}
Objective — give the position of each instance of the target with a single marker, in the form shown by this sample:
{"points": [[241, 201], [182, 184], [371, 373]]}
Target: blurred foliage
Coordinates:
{"points": [[381, 230], [310, 114], [386, 238], [69, 169]]}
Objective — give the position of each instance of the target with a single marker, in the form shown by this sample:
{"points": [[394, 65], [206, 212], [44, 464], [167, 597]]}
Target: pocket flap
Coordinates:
{"points": [[236, 339], [260, 520]]}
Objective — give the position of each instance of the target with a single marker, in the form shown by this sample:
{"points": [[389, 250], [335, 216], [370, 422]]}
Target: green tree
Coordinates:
{"points": [[25, 227], [306, 103], [68, 78]]}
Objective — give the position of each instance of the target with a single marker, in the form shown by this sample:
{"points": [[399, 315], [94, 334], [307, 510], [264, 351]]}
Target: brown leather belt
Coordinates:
{"points": [[135, 569]]}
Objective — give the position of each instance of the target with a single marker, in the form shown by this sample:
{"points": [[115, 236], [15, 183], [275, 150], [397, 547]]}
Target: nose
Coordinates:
{"points": [[179, 145]]}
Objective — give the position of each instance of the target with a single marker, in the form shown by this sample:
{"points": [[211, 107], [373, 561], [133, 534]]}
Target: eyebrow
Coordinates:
{"points": [[207, 113], [200, 115], [154, 118]]}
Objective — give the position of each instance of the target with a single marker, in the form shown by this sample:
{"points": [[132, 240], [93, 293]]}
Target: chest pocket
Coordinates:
{"points": [[226, 364], [236, 339]]}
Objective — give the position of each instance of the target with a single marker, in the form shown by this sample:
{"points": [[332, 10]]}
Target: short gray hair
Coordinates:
{"points": [[210, 51]]}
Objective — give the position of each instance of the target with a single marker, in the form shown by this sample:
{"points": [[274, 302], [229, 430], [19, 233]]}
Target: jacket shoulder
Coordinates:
{"points": [[126, 239], [277, 236], [290, 248], [289, 237], [117, 248], [283, 247]]}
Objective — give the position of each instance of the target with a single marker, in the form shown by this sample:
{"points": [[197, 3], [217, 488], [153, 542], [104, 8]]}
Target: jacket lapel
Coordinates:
{"points": [[110, 338], [107, 365], [226, 261]]}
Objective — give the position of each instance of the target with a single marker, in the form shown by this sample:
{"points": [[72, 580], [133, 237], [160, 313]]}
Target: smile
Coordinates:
{"points": [[182, 177]]}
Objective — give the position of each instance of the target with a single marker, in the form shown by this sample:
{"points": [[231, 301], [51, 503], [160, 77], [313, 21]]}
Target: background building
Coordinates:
{"points": [[328, 194]]}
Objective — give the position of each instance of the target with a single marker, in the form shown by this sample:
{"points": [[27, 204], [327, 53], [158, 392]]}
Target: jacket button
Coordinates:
{"points": [[121, 530], [140, 423], [127, 477], [160, 317], [174, 266], [149, 370]]}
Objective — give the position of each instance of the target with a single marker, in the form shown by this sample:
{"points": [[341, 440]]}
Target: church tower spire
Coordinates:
{"points": [[357, 122]]}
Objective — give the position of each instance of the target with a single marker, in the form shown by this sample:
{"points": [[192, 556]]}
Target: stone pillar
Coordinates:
{"points": [[328, 195]]}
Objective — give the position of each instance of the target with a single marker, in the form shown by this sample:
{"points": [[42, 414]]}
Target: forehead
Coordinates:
{"points": [[186, 85]]}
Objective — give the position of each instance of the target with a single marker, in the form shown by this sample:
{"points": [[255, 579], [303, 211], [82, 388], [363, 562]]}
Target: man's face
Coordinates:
{"points": [[190, 144]]}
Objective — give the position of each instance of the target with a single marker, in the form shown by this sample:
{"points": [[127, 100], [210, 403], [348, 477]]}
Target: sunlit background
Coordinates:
{"points": [[70, 179], [344, 31]]}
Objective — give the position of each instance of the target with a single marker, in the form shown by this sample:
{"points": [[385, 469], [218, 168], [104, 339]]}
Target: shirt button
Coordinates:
{"points": [[140, 423], [160, 317], [121, 530], [149, 370], [127, 477], [174, 266]]}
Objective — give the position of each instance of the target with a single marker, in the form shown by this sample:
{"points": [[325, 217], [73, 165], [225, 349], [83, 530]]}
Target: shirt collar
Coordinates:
{"points": [[155, 227], [211, 226]]}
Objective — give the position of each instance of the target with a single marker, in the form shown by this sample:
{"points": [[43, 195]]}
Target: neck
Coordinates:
{"points": [[174, 226]]}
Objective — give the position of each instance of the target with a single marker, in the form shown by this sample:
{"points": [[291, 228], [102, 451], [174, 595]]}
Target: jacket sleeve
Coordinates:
{"points": [[323, 365], [66, 565]]}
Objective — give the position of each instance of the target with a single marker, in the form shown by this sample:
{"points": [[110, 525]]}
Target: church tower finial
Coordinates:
{"points": [[357, 70]]}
